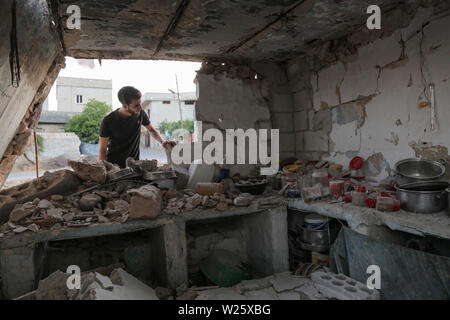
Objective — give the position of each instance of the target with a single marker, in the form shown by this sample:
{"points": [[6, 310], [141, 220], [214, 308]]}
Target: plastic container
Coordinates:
{"points": [[348, 197], [336, 188], [316, 222], [359, 198], [385, 204], [320, 176], [371, 202], [320, 258], [208, 188]]}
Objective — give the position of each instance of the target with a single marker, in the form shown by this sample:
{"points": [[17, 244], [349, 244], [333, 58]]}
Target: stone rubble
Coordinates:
{"points": [[119, 285], [120, 201], [285, 286]]}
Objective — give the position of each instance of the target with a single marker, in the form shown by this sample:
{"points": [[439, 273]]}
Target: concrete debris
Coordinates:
{"points": [[89, 201], [119, 285], [188, 295], [285, 281], [22, 211], [55, 213], [33, 227], [103, 219], [44, 204], [262, 294], [56, 197], [54, 287], [163, 293], [146, 202], [241, 201], [61, 182], [285, 286], [118, 205], [117, 202], [89, 171], [222, 206], [20, 229], [341, 287], [220, 294]]}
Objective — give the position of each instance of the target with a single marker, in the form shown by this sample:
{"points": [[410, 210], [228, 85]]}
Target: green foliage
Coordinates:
{"points": [[86, 125], [174, 125], [40, 143]]}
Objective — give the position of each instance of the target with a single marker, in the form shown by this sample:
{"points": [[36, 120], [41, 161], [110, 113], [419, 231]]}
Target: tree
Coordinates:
{"points": [[86, 125], [174, 125]]}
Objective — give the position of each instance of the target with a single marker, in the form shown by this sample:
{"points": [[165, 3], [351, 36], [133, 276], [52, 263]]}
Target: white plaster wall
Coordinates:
{"points": [[395, 100], [169, 112], [67, 97]]}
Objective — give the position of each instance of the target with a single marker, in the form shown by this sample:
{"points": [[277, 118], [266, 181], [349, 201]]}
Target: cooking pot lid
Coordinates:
{"points": [[425, 186], [315, 218]]}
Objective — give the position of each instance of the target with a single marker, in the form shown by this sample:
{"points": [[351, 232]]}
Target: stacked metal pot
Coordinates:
{"points": [[420, 187]]}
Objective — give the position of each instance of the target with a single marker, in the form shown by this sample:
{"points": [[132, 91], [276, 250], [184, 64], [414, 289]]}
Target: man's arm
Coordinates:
{"points": [[102, 148], [155, 134]]}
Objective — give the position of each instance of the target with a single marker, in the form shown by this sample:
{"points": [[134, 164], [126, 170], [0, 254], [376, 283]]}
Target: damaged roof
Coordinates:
{"points": [[197, 29]]}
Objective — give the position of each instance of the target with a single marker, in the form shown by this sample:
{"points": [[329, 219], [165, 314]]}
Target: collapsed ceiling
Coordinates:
{"points": [[197, 29]]}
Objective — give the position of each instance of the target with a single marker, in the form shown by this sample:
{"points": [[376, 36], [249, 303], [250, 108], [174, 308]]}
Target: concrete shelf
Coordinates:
{"points": [[159, 244], [436, 225]]}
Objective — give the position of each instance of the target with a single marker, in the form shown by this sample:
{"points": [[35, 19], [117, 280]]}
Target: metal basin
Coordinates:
{"points": [[317, 237], [423, 197], [419, 169]]}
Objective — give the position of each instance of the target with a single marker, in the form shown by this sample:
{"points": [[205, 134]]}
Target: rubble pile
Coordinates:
{"points": [[319, 285], [117, 285], [187, 200], [101, 199]]}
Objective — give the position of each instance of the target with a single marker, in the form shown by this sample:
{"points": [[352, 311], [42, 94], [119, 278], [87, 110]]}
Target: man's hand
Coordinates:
{"points": [[167, 143]]}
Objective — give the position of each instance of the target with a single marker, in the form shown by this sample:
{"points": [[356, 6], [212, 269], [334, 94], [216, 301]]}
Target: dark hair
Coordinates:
{"points": [[127, 94]]}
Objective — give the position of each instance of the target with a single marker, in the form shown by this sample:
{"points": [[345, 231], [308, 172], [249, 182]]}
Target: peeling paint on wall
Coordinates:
{"points": [[352, 111], [376, 166]]}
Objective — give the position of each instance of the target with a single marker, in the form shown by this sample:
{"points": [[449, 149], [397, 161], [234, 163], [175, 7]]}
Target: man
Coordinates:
{"points": [[120, 131]]}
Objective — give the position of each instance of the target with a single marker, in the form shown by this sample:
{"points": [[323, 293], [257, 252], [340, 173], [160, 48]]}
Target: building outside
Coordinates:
{"points": [[164, 107], [72, 94]]}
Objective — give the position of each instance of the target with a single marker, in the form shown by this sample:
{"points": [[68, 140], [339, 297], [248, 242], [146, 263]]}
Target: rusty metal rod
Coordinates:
{"points": [[36, 151]]}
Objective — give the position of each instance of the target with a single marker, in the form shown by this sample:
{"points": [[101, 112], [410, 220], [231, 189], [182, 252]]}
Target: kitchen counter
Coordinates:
{"points": [[436, 224]]}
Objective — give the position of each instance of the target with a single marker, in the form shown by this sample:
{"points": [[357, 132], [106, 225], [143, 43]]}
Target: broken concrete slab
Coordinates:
{"points": [[89, 201], [341, 287], [146, 202], [61, 182], [262, 294], [89, 171], [289, 295], [220, 294], [53, 287], [22, 211], [285, 281]]}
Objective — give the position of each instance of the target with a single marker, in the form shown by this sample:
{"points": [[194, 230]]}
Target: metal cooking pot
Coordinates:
{"points": [[423, 197], [417, 169], [317, 237]]}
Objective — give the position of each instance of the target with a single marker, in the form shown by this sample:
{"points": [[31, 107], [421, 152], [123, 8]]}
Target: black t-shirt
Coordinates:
{"points": [[124, 135]]}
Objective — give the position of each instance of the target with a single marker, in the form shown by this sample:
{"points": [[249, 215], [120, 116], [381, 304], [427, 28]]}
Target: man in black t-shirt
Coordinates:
{"points": [[120, 131]]}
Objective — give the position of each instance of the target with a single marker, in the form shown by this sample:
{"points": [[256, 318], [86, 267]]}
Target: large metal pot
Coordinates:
{"points": [[423, 197], [318, 237], [417, 169]]}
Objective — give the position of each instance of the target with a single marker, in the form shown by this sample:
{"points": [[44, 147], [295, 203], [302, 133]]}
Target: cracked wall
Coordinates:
{"points": [[246, 96], [40, 60], [366, 102]]}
